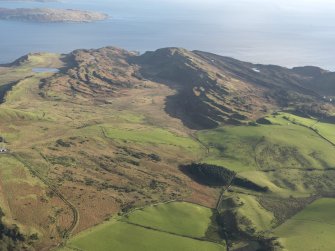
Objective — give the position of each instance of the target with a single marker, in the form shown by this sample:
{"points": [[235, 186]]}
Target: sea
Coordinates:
{"points": [[287, 33]]}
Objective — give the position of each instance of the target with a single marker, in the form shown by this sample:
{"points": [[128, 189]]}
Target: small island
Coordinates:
{"points": [[46, 15], [39, 1]]}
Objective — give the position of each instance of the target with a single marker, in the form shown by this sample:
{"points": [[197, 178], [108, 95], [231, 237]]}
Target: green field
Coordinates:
{"points": [[151, 135], [261, 219], [311, 229], [282, 145], [166, 227], [177, 217], [122, 236], [325, 129]]}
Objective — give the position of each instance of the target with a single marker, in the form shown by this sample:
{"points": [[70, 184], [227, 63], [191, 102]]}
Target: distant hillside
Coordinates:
{"points": [[50, 15], [214, 89], [211, 89]]}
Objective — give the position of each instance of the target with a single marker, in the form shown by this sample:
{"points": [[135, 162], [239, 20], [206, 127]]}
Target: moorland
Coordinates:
{"points": [[182, 150]]}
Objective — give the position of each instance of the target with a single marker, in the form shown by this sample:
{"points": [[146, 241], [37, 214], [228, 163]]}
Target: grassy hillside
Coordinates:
{"points": [[326, 130], [177, 217], [282, 145], [311, 229], [171, 226], [261, 219], [151, 136], [115, 235]]}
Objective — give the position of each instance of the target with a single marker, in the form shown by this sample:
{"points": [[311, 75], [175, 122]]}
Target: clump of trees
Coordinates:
{"points": [[263, 121], [245, 183], [213, 175], [209, 174]]}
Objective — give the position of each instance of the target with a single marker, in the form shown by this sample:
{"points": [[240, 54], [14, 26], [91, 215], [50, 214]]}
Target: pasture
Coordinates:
{"points": [[176, 217], [166, 227], [282, 145], [311, 229]]}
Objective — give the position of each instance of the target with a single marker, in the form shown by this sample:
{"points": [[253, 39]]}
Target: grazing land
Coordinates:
{"points": [[282, 145], [119, 130], [152, 136], [171, 226], [115, 235], [325, 130], [311, 229], [176, 217]]}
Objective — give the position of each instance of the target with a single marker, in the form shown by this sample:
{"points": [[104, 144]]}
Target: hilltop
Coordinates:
{"points": [[211, 89]]}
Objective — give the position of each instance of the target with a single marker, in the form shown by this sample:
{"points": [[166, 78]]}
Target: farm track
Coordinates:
{"points": [[74, 210], [217, 208]]}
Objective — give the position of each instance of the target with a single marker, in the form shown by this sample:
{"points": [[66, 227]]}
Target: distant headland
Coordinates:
{"points": [[40, 1], [46, 15]]}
